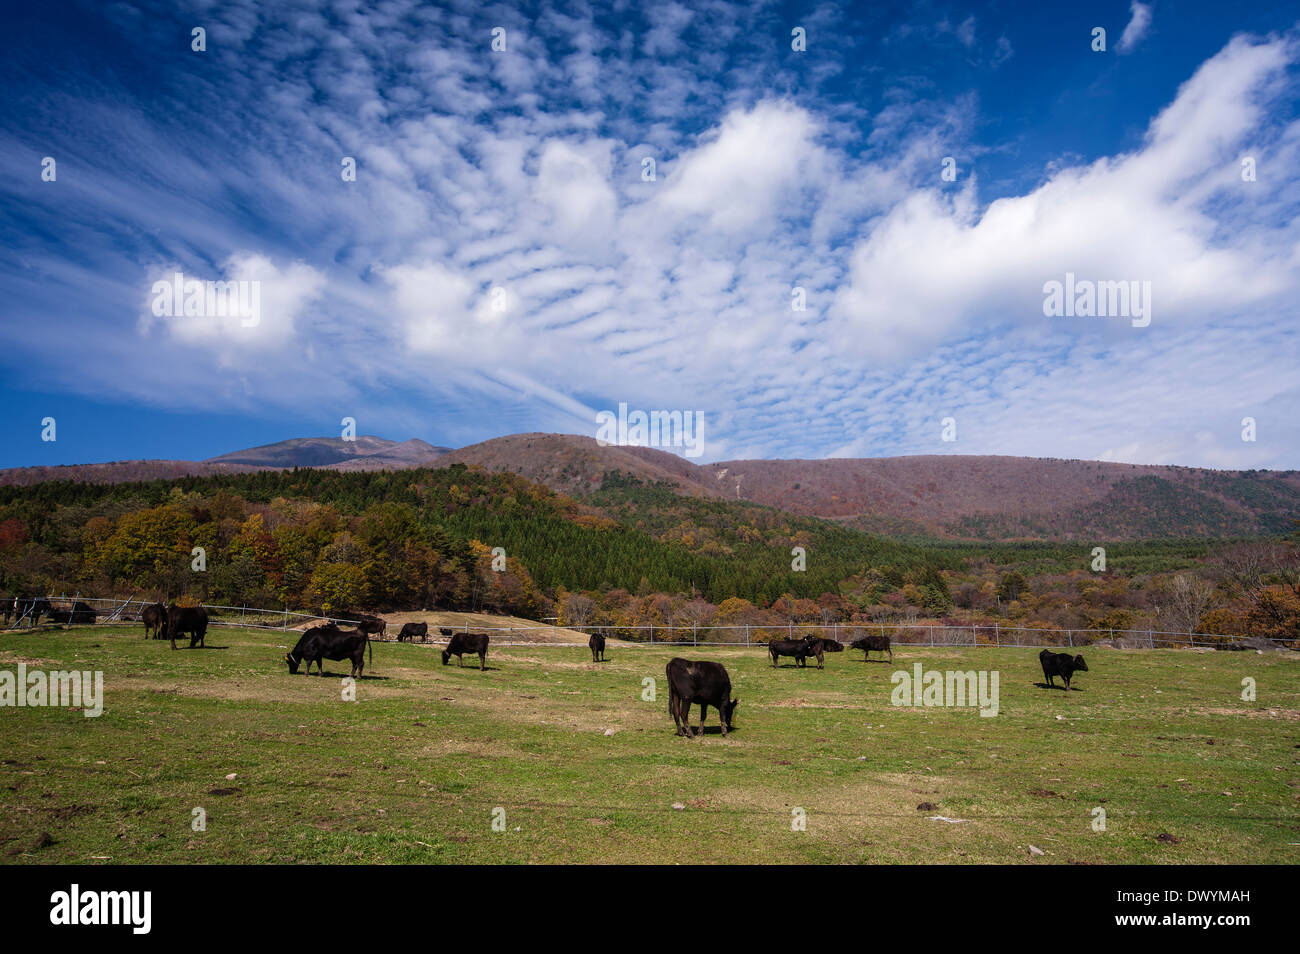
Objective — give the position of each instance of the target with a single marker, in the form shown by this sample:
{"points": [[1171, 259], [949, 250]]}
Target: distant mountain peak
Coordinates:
{"points": [[330, 451]]}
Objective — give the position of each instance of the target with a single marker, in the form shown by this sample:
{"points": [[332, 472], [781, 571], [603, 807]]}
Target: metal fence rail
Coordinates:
{"points": [[127, 612]]}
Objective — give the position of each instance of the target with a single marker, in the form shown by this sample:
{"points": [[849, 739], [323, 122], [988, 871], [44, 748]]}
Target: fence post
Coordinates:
{"points": [[285, 627], [746, 634], [931, 635]]}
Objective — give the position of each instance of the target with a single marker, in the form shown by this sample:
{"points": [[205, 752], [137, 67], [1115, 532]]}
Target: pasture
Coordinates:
{"points": [[412, 771]]}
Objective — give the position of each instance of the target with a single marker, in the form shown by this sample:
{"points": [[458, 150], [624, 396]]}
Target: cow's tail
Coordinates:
{"points": [[371, 650]]}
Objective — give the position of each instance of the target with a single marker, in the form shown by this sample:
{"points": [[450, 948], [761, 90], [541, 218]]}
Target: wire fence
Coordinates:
{"points": [[82, 610]]}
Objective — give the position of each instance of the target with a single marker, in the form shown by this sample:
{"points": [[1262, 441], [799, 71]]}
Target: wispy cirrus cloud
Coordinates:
{"points": [[1139, 23]]}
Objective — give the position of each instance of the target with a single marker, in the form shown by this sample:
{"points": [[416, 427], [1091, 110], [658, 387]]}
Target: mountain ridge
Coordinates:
{"points": [[982, 497]]}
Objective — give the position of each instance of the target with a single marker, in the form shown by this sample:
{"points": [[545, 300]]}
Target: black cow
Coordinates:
{"points": [[33, 608], [81, 613], [330, 642], [798, 648], [703, 683], [1061, 664], [186, 619], [597, 646], [153, 616], [462, 643], [831, 645], [880, 643], [412, 630], [372, 625], [445, 631]]}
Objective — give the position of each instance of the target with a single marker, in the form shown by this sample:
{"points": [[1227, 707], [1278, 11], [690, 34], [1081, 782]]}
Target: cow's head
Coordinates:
{"points": [[293, 664], [446, 655], [728, 710], [1079, 663]]}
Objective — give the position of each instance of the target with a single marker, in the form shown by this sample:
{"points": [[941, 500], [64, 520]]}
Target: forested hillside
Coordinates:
{"points": [[629, 553]]}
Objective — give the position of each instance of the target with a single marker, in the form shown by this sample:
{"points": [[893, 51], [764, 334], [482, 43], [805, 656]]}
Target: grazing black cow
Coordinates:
{"points": [[186, 619], [412, 630], [597, 646], [1061, 664], [880, 643], [372, 625], [703, 683], [153, 616], [798, 648], [445, 631], [462, 643], [80, 614], [330, 642]]}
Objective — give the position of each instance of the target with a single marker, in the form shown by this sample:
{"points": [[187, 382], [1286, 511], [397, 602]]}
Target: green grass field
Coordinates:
{"points": [[413, 770]]}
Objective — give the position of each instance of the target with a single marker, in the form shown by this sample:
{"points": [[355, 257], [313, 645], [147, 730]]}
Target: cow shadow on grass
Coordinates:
{"points": [[1043, 685], [365, 676], [202, 647], [708, 730]]}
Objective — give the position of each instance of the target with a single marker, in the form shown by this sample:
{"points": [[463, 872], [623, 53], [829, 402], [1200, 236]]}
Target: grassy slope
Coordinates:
{"points": [[412, 771]]}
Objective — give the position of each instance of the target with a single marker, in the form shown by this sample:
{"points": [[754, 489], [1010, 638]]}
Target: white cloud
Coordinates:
{"points": [[1138, 24], [250, 304], [933, 270]]}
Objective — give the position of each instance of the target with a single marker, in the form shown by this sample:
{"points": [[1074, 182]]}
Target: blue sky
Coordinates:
{"points": [[515, 177]]}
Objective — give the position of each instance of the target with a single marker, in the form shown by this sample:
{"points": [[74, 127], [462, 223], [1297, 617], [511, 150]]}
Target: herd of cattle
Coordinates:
{"points": [[690, 681]]}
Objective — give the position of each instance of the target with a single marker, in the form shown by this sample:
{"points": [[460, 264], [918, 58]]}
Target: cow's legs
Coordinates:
{"points": [[482, 662], [703, 709]]}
